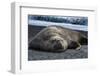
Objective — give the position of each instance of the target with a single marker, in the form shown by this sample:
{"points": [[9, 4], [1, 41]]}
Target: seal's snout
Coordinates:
{"points": [[58, 45]]}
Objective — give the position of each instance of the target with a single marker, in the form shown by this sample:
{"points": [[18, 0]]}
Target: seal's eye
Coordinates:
{"points": [[46, 37], [55, 41], [52, 41]]}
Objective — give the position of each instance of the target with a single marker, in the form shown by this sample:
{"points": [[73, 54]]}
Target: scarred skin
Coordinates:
{"points": [[57, 39]]}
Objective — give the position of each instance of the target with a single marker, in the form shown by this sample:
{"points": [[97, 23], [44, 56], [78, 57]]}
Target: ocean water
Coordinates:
{"points": [[66, 25]]}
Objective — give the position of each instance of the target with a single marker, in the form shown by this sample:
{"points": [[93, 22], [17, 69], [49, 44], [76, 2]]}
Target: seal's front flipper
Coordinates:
{"points": [[74, 45], [79, 46]]}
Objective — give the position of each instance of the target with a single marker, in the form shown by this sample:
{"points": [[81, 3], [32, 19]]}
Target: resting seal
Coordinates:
{"points": [[57, 39]]}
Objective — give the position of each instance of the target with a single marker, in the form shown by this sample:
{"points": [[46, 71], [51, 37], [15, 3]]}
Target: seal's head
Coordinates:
{"points": [[56, 43]]}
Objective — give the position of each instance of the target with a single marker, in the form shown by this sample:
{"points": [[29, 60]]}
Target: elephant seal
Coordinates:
{"points": [[57, 39]]}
